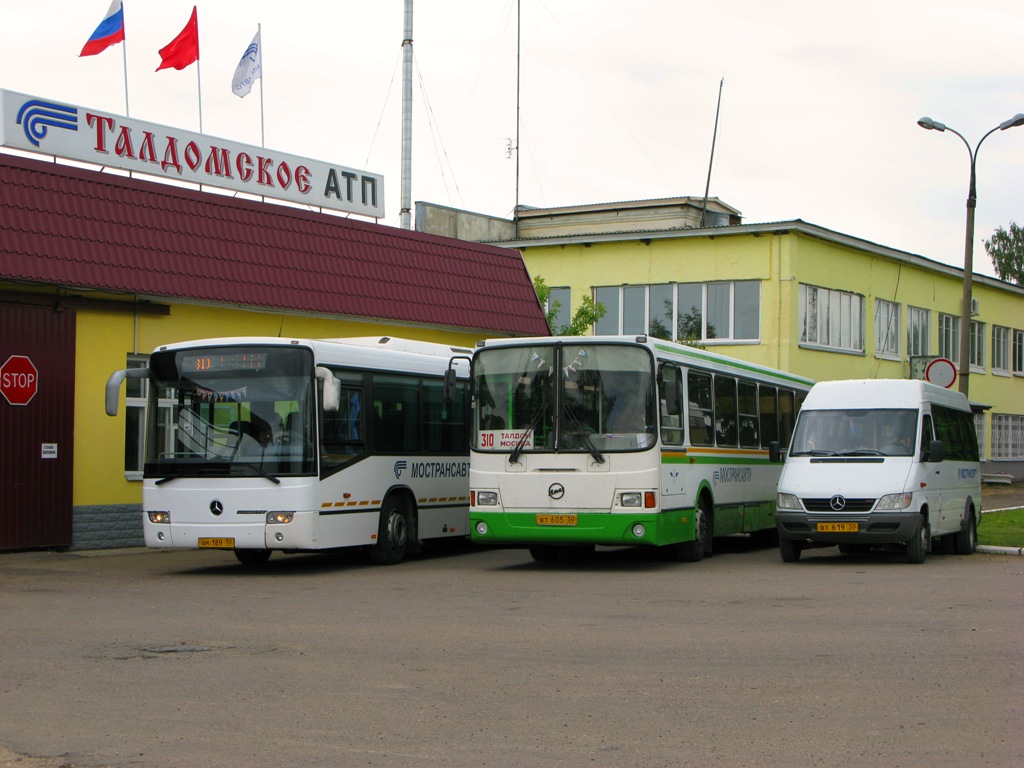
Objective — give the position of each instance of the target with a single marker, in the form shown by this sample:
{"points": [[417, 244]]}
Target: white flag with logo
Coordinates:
{"points": [[249, 69]]}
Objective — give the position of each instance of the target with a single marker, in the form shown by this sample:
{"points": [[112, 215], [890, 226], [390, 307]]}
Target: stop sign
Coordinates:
{"points": [[19, 380]]}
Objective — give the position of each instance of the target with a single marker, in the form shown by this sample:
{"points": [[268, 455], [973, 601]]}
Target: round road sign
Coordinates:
{"points": [[19, 380], [941, 371]]}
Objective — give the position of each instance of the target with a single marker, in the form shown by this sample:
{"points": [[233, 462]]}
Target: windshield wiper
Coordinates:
{"points": [[814, 453], [258, 470], [581, 432], [863, 452]]}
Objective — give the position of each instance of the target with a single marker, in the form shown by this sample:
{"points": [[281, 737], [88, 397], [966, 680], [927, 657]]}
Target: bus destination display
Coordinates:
{"points": [[227, 361]]}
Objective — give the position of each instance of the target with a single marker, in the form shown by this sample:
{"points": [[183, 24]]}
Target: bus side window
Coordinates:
{"points": [[725, 410], [787, 416], [769, 416], [748, 414], [700, 409], [670, 392]]}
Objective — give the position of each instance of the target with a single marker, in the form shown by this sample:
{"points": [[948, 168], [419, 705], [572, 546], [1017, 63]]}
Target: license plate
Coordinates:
{"points": [[217, 543], [557, 519], [838, 527]]}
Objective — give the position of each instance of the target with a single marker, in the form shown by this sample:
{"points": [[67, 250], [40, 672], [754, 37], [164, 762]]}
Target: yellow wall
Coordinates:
{"points": [[782, 261], [105, 339]]}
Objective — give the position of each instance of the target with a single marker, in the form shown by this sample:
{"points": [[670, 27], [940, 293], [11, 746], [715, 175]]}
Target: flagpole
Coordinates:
{"points": [[124, 54], [199, 89], [263, 138]]}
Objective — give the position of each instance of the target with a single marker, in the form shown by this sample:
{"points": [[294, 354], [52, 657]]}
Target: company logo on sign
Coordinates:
{"points": [[116, 141], [731, 475], [36, 117]]}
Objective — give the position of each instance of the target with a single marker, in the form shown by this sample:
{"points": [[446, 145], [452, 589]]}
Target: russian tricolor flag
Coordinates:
{"points": [[109, 32]]}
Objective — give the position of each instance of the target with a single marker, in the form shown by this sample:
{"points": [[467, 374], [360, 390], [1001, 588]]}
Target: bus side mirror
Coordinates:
{"points": [[450, 377], [114, 386], [332, 389], [936, 451], [774, 452], [449, 385]]}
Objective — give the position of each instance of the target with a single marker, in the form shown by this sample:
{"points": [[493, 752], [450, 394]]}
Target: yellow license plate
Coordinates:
{"points": [[217, 543], [838, 527], [557, 519]]}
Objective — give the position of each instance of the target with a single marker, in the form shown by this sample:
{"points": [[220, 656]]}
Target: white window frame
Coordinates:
{"points": [[887, 329], [977, 348], [918, 331], [1007, 437], [616, 322], [1001, 350], [831, 320], [1017, 352], [134, 466], [949, 337]]}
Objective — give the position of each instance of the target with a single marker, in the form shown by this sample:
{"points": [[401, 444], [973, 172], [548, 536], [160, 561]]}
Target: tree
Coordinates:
{"points": [[586, 314], [1006, 249]]}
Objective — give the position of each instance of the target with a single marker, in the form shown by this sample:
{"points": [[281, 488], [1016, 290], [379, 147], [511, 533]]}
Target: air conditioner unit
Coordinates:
{"points": [[975, 309]]}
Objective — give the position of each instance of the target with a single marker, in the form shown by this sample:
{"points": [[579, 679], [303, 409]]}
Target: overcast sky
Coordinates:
{"points": [[617, 99]]}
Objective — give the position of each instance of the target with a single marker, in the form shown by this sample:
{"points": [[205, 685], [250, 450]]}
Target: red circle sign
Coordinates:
{"points": [[941, 371], [19, 380]]}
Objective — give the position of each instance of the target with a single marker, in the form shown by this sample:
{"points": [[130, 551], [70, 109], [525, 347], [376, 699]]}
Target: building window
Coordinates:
{"points": [[831, 319], [1018, 352], [1000, 349], [918, 331], [887, 328], [949, 337], [561, 300], [1007, 436], [977, 358], [702, 312], [979, 431]]}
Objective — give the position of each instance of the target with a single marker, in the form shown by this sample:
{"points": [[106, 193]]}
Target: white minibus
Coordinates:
{"points": [[880, 462]]}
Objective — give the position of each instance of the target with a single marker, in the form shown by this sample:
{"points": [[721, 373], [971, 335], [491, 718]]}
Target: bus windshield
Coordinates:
{"points": [[241, 411], [855, 432], [579, 398]]}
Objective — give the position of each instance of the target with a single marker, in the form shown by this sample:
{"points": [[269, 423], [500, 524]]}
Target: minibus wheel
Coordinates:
{"points": [[917, 547], [966, 540], [789, 550]]}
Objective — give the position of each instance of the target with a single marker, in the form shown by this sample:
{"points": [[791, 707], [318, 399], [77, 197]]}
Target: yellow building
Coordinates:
{"points": [[790, 295], [98, 269]]}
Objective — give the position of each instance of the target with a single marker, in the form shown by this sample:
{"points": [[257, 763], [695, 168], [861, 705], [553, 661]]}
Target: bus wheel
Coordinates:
{"points": [[789, 550], [966, 540], [544, 553], [252, 558], [694, 551], [392, 533], [917, 547]]}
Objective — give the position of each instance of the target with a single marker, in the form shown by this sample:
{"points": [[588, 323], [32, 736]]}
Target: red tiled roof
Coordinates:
{"points": [[78, 228]]}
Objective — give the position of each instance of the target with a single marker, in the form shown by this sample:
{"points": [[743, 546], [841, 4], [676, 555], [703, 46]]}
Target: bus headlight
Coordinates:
{"points": [[631, 499], [788, 501], [159, 517], [895, 501], [481, 528], [279, 518], [487, 498]]}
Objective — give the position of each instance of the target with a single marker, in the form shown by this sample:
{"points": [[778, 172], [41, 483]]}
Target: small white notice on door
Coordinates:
{"points": [[49, 451]]}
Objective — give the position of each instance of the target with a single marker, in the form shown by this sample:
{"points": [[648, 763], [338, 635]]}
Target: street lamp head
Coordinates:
{"points": [[1013, 122], [931, 125]]}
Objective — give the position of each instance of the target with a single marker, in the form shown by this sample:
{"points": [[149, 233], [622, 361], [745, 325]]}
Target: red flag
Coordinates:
{"points": [[184, 49]]}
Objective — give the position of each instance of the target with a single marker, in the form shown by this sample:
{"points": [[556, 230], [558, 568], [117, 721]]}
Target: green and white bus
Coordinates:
{"points": [[623, 440]]}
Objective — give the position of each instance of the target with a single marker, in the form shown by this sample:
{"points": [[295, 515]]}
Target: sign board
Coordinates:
{"points": [[941, 371], [19, 380], [34, 124]]}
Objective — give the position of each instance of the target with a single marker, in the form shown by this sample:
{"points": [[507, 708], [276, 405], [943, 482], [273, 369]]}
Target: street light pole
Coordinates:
{"points": [[972, 199]]}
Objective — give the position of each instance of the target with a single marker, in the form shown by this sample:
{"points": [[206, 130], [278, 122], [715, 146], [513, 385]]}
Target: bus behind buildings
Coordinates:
{"points": [[881, 462]]}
